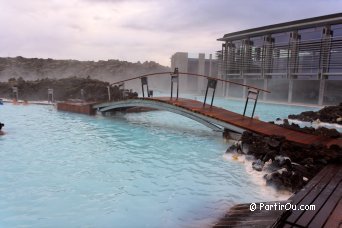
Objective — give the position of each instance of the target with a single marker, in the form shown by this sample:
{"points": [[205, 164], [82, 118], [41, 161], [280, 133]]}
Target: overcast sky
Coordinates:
{"points": [[135, 30]]}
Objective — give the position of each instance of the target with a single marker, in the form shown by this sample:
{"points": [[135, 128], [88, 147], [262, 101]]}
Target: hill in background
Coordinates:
{"points": [[34, 76], [110, 70], [63, 89]]}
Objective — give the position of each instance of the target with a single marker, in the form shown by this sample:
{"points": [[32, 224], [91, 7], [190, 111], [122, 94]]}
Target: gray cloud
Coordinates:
{"points": [[137, 30]]}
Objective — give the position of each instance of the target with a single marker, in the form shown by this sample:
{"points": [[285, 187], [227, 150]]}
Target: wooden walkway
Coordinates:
{"points": [[247, 123], [324, 191]]}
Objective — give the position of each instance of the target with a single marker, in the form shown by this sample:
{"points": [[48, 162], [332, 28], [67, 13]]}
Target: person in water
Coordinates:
{"points": [[1, 125]]}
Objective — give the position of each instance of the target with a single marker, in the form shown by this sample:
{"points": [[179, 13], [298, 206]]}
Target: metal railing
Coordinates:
{"points": [[295, 57], [253, 92]]}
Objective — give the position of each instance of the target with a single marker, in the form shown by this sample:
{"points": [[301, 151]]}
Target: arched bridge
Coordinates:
{"points": [[171, 106], [213, 117]]}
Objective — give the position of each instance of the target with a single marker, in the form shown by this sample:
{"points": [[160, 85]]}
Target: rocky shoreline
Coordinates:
{"points": [[329, 114], [289, 166], [323, 131]]}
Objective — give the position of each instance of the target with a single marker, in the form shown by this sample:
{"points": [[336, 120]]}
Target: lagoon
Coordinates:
{"points": [[151, 169]]}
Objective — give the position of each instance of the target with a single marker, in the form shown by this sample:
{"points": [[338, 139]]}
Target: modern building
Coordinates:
{"points": [[298, 61], [196, 65]]}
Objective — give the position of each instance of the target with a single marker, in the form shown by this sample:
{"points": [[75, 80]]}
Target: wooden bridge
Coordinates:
{"points": [[211, 116]]}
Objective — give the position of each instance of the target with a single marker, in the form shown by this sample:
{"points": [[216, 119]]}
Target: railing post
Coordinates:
{"points": [[212, 83], [255, 102], [252, 94], [244, 111], [206, 93], [212, 98], [175, 79]]}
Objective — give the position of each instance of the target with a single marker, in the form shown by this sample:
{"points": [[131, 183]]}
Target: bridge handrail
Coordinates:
{"points": [[193, 74]]}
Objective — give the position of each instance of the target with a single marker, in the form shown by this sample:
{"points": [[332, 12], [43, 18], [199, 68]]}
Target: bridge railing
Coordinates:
{"points": [[253, 92]]}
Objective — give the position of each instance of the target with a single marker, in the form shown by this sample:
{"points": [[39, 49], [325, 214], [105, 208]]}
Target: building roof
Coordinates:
{"points": [[284, 27]]}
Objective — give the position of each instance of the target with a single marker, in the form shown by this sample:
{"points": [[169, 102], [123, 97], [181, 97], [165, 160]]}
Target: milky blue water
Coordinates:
{"points": [[152, 169]]}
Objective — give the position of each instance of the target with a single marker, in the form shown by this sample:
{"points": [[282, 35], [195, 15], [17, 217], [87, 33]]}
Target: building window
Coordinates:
{"points": [[335, 58], [309, 52], [280, 54]]}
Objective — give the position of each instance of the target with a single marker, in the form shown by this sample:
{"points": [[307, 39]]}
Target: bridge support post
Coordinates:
{"points": [[144, 82], [175, 79], [211, 84]]}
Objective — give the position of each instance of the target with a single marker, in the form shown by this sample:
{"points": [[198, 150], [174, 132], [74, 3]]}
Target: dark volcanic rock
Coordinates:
{"points": [[275, 141], [323, 131], [270, 155], [232, 149], [64, 89], [329, 114], [258, 165], [285, 179], [283, 161], [308, 116], [295, 163], [302, 170], [331, 133]]}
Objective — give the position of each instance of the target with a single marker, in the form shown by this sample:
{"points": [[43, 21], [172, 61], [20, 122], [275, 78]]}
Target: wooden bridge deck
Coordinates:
{"points": [[247, 123]]}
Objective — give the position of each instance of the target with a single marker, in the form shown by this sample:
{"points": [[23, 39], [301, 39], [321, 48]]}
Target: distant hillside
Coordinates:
{"points": [[111, 70], [63, 89]]}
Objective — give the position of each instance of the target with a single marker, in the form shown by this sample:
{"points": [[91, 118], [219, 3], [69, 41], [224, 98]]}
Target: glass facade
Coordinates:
{"points": [[310, 53], [335, 56], [280, 45]]}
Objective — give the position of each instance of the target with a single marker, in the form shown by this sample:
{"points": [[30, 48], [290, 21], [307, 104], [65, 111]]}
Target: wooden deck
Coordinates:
{"points": [[247, 123], [324, 191]]}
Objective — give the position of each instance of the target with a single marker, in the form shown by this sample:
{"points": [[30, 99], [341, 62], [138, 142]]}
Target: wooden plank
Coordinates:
{"points": [[298, 196], [307, 216], [286, 226], [335, 219], [328, 208], [324, 191], [245, 122], [309, 198]]}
